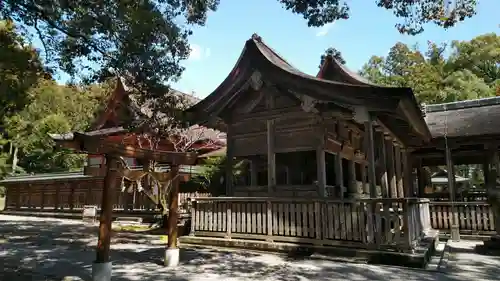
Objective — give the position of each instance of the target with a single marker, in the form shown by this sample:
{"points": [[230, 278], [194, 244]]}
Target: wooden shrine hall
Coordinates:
{"points": [[327, 162], [464, 133]]}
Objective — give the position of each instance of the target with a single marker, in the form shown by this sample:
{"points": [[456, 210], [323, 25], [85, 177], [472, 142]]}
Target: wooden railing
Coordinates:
{"points": [[472, 217], [312, 221]]}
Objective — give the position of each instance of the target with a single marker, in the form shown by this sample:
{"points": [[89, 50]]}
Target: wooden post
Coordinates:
{"points": [[382, 161], [454, 228], [353, 187], [229, 160], [407, 173], [391, 169], [321, 171], [106, 217], [372, 180], [339, 175], [271, 158], [173, 212], [399, 172]]}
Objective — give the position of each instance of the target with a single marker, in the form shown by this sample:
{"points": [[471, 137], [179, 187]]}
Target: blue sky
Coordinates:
{"points": [[369, 31]]}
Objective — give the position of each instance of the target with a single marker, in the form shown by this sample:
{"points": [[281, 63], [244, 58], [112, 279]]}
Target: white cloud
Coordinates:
{"points": [[198, 52], [324, 30]]}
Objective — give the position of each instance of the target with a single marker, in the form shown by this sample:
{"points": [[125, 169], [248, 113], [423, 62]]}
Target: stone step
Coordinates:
{"points": [[439, 261]]}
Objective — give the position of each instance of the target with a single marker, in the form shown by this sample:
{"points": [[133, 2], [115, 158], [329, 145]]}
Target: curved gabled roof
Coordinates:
{"points": [[354, 91], [333, 70], [408, 108], [257, 56]]}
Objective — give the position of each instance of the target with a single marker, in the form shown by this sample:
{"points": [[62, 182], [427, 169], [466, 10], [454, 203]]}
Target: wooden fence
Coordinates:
{"points": [[382, 222], [472, 217], [136, 201]]}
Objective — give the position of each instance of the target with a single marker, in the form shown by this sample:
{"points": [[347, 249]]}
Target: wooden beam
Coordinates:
{"points": [[388, 131], [106, 217], [96, 145]]}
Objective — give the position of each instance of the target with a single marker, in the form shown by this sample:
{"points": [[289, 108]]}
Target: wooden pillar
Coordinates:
{"points": [[353, 186], [339, 175], [229, 161], [106, 216], [321, 165], [372, 180], [271, 158], [407, 172], [454, 228], [364, 179], [399, 172], [370, 140], [173, 213], [382, 163], [321, 171], [391, 168]]}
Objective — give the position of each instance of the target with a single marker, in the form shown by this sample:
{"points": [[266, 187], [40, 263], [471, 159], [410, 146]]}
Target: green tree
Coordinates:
{"points": [[480, 55], [53, 109], [20, 69], [144, 41], [336, 54], [433, 77]]}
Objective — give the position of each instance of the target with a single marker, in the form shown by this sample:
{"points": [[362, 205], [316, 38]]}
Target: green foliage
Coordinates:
{"points": [[20, 69], [53, 109], [212, 173], [336, 54], [144, 41], [470, 72]]}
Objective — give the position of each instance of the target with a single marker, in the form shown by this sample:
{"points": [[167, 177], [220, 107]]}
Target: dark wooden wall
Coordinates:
{"points": [[73, 194]]}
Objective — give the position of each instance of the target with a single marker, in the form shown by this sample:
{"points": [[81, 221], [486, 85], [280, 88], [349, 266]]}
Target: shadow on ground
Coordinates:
{"points": [[35, 250]]}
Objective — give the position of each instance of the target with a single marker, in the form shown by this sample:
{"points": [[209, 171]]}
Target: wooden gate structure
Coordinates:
{"points": [[328, 161], [97, 145]]}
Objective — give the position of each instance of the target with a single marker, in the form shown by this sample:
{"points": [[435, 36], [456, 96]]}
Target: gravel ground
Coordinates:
{"points": [[40, 249]]}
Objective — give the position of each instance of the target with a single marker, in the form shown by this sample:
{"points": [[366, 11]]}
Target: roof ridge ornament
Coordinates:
{"points": [[256, 37]]}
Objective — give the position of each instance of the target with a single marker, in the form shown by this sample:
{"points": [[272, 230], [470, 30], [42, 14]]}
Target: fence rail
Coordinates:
{"points": [[381, 222], [472, 217]]}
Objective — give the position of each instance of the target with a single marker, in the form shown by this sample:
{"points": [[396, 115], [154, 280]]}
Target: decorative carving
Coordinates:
{"points": [[361, 114], [308, 104], [256, 81]]}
